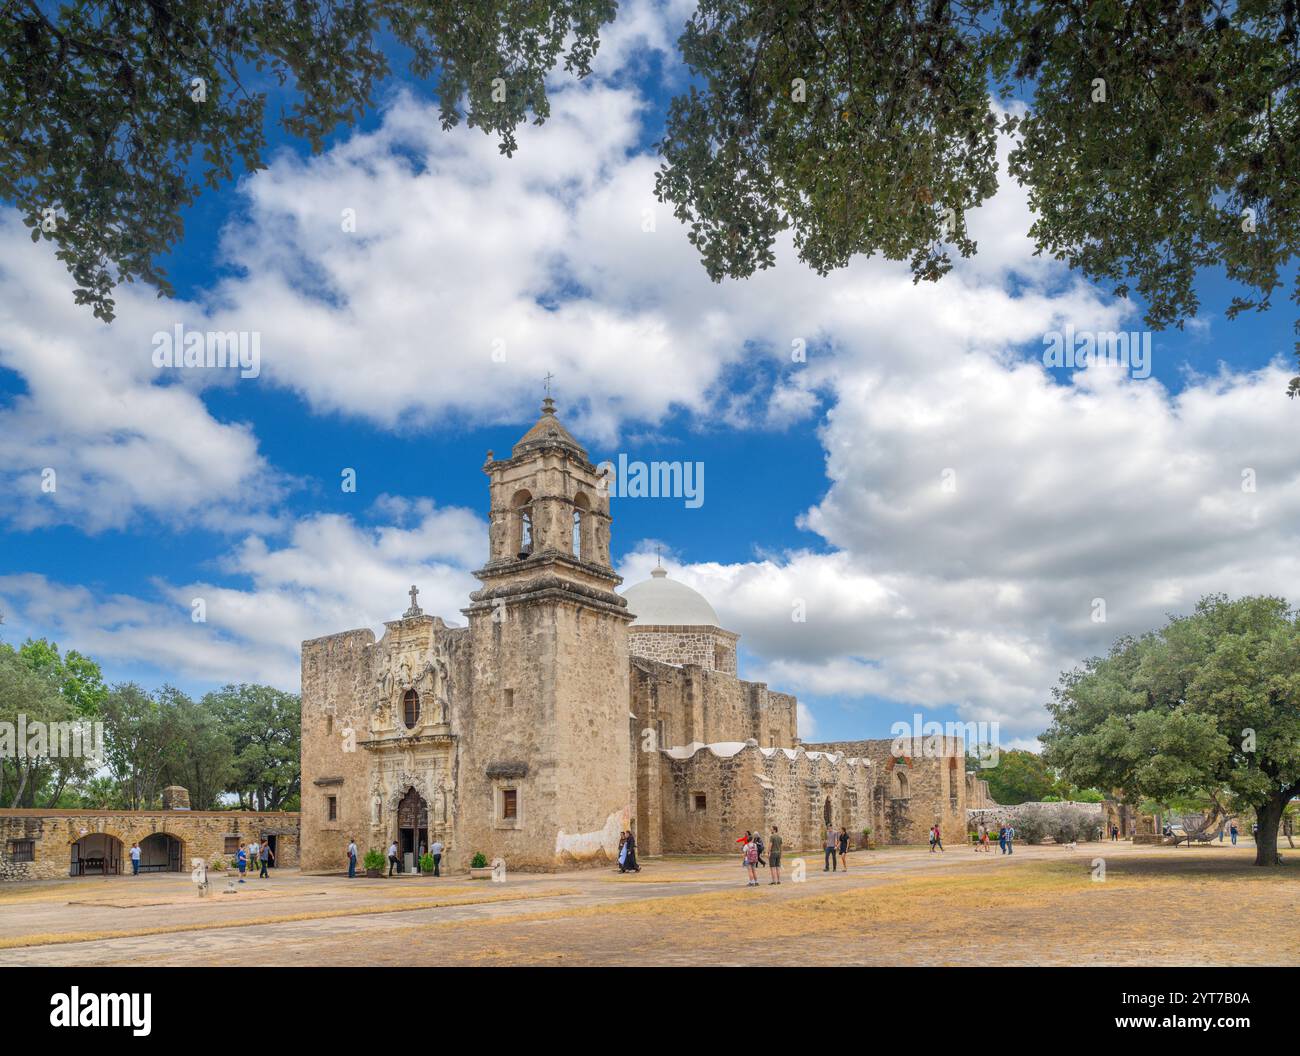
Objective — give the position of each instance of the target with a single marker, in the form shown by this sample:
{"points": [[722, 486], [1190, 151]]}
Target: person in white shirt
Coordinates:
{"points": [[253, 849], [135, 859], [435, 849], [352, 858], [392, 858]]}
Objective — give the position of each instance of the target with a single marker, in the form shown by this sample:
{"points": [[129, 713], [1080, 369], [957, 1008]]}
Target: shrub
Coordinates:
{"points": [[479, 861], [1030, 825], [426, 863], [217, 865], [373, 859]]}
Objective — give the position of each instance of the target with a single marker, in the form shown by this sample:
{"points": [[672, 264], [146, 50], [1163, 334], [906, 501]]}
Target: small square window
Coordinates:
{"points": [[232, 845], [333, 803], [508, 699], [509, 804], [22, 850], [698, 801]]}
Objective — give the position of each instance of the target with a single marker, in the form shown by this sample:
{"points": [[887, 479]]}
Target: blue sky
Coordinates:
{"points": [[823, 478]]}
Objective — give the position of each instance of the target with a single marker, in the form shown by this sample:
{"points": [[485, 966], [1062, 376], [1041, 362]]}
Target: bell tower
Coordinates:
{"points": [[546, 764], [549, 505]]}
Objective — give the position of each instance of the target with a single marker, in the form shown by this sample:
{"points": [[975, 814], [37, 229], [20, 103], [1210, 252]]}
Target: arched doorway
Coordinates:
{"points": [[161, 852], [413, 825], [96, 854]]}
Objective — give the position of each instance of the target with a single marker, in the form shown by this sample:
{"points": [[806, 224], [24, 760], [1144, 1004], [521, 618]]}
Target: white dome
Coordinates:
{"points": [[661, 601]]}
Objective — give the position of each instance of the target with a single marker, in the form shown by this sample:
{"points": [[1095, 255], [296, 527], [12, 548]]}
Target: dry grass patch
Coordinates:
{"points": [[60, 938]]}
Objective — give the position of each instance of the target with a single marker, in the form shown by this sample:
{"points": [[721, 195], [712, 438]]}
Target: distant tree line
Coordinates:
{"points": [[1022, 776], [233, 748]]}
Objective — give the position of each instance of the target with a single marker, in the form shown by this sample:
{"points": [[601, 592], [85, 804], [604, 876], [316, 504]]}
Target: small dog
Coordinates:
{"points": [[1071, 846]]}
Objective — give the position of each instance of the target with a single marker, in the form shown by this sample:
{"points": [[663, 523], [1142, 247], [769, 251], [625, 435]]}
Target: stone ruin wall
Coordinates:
{"points": [[934, 768], [755, 789], [202, 834]]}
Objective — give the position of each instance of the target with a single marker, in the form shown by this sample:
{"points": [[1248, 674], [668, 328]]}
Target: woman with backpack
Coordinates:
{"points": [[751, 862]]}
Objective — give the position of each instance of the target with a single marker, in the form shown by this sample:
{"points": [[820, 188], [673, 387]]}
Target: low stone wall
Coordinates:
{"points": [[996, 816], [49, 836]]}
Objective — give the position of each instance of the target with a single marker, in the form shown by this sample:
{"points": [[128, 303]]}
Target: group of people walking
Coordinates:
{"points": [[258, 854], [837, 840], [1006, 836], [752, 848], [627, 853]]}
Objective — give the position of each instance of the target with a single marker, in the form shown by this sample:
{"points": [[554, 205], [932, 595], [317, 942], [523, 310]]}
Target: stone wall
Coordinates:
{"points": [[203, 834], [335, 700], [977, 793], [563, 744], [744, 787], [708, 647], [692, 705], [924, 783], [997, 815]]}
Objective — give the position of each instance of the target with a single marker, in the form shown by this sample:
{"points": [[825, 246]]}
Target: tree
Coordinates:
{"points": [[78, 677], [198, 754], [78, 688], [100, 793], [33, 694], [116, 115], [1160, 138], [1210, 701], [265, 730], [1019, 777], [136, 739]]}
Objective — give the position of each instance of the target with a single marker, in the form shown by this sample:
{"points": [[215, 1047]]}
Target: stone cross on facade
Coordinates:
{"points": [[415, 609]]}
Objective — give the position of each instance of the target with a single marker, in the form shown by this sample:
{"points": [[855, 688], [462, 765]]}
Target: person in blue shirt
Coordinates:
{"points": [[243, 862]]}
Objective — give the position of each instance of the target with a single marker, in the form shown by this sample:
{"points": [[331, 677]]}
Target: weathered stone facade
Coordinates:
{"points": [[978, 796], [61, 843], [711, 648], [916, 783], [549, 725], [713, 793]]}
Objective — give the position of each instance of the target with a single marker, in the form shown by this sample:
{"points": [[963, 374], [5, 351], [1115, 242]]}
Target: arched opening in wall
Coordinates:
{"points": [[581, 509], [161, 852], [413, 825], [898, 784], [411, 709], [826, 811], [521, 525], [96, 854], [956, 782]]}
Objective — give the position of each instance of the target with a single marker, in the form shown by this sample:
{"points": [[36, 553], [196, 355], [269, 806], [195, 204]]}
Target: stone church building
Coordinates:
{"points": [[566, 712]]}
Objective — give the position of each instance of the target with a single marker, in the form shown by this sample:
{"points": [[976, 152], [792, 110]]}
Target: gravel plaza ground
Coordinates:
{"points": [[896, 906]]}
